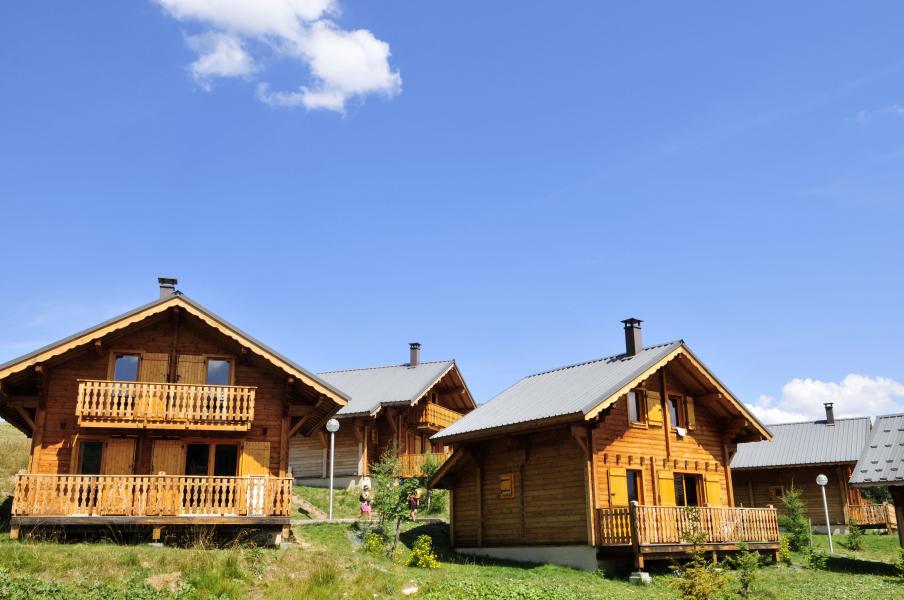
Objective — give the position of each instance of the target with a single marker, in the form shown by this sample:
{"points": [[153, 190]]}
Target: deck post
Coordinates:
{"points": [[14, 531], [155, 534], [635, 538]]}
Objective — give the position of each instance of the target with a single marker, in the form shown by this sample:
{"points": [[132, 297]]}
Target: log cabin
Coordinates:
{"points": [[882, 463], [164, 416], [393, 408], [798, 453], [597, 461]]}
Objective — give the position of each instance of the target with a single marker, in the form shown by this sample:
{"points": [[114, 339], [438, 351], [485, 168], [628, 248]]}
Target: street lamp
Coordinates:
{"points": [[332, 426], [822, 480]]}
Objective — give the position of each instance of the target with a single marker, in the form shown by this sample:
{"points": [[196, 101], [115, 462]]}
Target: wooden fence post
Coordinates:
{"points": [[635, 538]]}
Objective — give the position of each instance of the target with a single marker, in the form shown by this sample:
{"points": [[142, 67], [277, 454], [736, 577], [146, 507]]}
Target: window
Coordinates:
{"points": [[125, 367], [217, 371], [90, 454], [686, 489], [635, 486], [507, 485], [226, 460], [197, 459], [776, 492], [673, 412], [635, 407]]}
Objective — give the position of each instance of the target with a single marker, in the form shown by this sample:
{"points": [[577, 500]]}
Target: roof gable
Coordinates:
{"points": [[882, 459], [807, 443]]}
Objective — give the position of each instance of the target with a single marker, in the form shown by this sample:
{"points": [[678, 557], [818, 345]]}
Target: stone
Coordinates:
{"points": [[640, 578]]}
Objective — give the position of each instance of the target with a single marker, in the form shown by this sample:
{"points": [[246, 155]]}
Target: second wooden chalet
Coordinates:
{"points": [[882, 464], [394, 408], [164, 416], [598, 460], [797, 454]]}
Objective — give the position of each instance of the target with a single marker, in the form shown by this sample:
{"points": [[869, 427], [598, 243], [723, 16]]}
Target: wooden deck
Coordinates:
{"points": [[659, 531], [411, 463], [164, 405], [434, 417], [881, 516]]}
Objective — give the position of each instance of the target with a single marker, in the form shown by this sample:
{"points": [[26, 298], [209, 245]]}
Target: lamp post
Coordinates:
{"points": [[822, 480], [332, 426]]}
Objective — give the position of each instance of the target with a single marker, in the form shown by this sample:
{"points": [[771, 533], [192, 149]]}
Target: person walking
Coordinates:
{"points": [[413, 502], [364, 500]]}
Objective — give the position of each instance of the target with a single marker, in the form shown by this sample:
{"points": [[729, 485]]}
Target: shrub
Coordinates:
{"points": [[784, 551], [795, 521], [855, 536], [747, 567], [391, 492], [422, 554], [817, 559], [899, 564], [698, 578], [374, 543]]}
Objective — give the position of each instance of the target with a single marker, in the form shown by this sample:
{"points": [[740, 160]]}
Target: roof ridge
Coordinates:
{"points": [[818, 421], [596, 360], [406, 365]]}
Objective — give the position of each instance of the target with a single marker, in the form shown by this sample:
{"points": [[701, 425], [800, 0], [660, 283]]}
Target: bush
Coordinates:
{"points": [[698, 578], [784, 551], [855, 536], [817, 559], [795, 521], [422, 554], [747, 566], [374, 543], [899, 564]]}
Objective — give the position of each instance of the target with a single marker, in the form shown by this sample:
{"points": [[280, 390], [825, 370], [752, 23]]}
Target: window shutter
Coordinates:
{"points": [[618, 487], [713, 489], [168, 456], [689, 411], [666, 488], [256, 458], [154, 367], [654, 409], [119, 456], [192, 369]]}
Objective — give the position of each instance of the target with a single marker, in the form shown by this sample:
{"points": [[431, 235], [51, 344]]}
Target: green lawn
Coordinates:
{"points": [[345, 503]]}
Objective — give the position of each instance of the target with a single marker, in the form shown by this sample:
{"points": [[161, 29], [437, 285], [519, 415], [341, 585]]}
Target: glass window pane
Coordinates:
{"points": [[673, 411], [91, 458], [690, 490], [679, 490], [632, 406], [633, 486], [126, 367], [225, 460], [217, 371], [197, 458]]}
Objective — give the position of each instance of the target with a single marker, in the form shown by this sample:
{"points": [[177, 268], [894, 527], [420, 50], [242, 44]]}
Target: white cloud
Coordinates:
{"points": [[854, 396], [865, 117], [219, 55], [342, 64]]}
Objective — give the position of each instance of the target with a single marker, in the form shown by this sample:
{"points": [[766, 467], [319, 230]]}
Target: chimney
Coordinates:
{"points": [[415, 354], [633, 336], [830, 414], [167, 286]]}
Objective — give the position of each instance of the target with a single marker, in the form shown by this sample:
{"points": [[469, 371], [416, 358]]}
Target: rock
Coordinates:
{"points": [[640, 578], [410, 590]]}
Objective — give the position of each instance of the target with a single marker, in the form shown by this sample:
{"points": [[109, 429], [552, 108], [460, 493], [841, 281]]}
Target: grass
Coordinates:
{"points": [[345, 503], [14, 448]]}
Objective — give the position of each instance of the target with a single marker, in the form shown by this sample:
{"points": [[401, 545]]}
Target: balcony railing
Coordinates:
{"points": [[410, 464], [873, 515], [668, 525], [435, 417], [150, 495], [164, 405]]}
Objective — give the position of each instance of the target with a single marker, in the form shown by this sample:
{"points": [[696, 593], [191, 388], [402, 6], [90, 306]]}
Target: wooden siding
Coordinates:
{"points": [[306, 456], [752, 489]]}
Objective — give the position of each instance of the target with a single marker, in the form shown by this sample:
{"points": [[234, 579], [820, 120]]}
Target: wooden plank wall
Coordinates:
{"points": [[838, 492], [619, 444], [54, 455]]}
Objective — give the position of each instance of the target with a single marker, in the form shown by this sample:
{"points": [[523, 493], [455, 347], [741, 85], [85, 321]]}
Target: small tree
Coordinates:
{"points": [[899, 564], [698, 578], [854, 535], [430, 466], [747, 566], [391, 493], [794, 521]]}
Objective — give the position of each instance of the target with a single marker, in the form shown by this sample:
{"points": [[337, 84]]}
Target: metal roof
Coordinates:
{"points": [[371, 388], [806, 443], [572, 390], [882, 460]]}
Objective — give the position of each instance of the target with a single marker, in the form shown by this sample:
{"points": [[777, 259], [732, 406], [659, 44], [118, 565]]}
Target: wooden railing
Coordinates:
{"points": [[872, 515], [435, 416], [654, 525], [410, 464], [150, 495], [164, 405]]}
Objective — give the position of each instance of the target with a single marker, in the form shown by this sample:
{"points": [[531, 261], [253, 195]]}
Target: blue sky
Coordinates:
{"points": [[503, 185]]}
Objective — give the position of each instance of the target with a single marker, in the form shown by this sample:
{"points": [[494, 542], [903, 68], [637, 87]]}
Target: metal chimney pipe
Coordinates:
{"points": [[633, 336], [415, 354], [830, 413], [167, 286]]}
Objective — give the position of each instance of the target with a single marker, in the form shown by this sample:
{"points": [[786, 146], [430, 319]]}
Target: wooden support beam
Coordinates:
{"points": [[666, 415], [23, 401], [298, 425], [579, 433], [26, 417], [302, 410]]}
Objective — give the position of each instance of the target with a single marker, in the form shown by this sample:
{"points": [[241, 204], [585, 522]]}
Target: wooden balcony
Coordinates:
{"points": [[659, 531], [158, 496], [164, 405], [411, 463], [434, 417], [880, 516]]}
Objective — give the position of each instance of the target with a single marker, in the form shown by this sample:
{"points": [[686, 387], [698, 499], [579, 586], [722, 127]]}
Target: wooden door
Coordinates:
{"points": [[713, 485], [666, 488], [167, 457], [256, 466], [192, 369], [116, 493], [154, 369], [618, 486]]}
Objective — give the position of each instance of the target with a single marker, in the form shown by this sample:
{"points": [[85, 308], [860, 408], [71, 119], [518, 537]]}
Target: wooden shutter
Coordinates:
{"points": [[618, 487], [666, 488], [689, 412], [256, 458], [119, 457], [654, 409], [713, 489], [154, 367], [168, 456], [192, 369]]}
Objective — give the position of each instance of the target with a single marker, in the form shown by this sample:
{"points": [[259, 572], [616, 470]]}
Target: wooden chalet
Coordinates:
{"points": [[164, 416], [882, 463], [797, 454], [393, 408], [598, 460]]}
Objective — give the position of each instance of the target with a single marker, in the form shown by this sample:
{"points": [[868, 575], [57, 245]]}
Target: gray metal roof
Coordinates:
{"points": [[573, 390], [371, 388], [806, 443], [882, 461]]}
